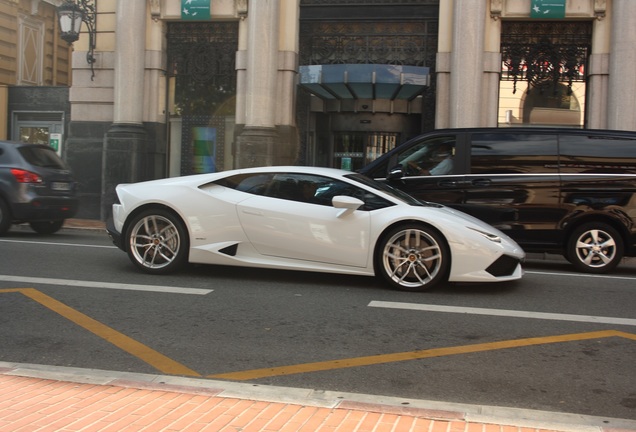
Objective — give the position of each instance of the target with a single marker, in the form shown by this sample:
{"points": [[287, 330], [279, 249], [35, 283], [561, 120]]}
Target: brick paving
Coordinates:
{"points": [[37, 404]]}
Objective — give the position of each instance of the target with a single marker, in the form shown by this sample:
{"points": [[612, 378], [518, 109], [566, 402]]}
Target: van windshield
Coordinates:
{"points": [[429, 157]]}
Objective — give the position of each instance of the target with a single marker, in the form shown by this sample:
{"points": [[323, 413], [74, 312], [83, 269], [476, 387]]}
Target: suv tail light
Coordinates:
{"points": [[23, 176]]}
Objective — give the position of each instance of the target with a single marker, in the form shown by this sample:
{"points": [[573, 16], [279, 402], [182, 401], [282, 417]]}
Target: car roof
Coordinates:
{"points": [[529, 129], [333, 172], [16, 144]]}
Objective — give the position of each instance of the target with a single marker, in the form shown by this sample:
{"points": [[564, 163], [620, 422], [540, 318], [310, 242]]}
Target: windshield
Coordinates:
{"points": [[396, 193]]}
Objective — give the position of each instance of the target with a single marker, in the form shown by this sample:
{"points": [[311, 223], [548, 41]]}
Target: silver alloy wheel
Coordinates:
{"points": [[412, 258], [154, 241], [596, 248]]}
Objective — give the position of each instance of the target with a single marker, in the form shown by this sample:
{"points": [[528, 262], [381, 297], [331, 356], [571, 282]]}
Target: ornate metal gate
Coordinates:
{"points": [[545, 53], [201, 64]]}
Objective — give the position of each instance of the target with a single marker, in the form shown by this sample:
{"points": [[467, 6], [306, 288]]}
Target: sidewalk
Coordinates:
{"points": [[45, 398], [85, 224]]}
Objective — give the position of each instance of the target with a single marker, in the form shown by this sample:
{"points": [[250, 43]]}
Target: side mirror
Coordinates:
{"points": [[347, 204], [395, 173]]}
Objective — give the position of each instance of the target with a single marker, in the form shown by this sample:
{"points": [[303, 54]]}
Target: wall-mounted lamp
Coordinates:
{"points": [[71, 14]]}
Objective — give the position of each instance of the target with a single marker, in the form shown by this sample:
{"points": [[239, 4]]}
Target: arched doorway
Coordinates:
{"points": [[543, 78]]}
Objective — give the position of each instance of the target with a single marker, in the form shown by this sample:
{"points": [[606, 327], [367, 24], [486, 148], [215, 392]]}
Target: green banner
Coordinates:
{"points": [[195, 9], [547, 9]]}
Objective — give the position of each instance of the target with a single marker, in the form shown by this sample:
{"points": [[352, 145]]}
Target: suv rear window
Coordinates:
{"points": [[42, 157]]}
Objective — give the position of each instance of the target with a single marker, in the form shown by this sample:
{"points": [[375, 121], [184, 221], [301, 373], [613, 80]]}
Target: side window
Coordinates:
{"points": [[509, 153], [310, 189], [256, 184], [430, 157], [307, 188], [582, 153]]}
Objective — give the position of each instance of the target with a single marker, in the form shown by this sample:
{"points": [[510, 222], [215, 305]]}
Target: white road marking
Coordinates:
{"points": [[585, 275], [107, 285], [58, 244], [504, 313]]}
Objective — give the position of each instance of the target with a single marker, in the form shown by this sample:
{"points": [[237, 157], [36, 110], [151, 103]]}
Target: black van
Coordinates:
{"points": [[555, 190]]}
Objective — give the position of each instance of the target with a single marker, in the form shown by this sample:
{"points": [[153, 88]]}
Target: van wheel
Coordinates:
{"points": [[595, 248]]}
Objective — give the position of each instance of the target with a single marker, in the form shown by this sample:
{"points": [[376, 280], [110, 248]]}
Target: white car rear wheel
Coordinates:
{"points": [[413, 258], [157, 241]]}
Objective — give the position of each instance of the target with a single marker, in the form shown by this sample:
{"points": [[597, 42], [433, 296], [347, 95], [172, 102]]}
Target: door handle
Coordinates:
{"points": [[481, 182], [447, 183], [253, 212]]}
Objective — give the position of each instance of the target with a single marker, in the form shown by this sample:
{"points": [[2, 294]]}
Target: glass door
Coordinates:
{"points": [[353, 150]]}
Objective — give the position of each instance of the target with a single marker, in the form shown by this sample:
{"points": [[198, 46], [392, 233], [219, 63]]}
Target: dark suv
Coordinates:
{"points": [[555, 190], [36, 187]]}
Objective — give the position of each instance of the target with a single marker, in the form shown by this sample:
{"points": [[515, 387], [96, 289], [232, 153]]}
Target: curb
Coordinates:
{"points": [[435, 410]]}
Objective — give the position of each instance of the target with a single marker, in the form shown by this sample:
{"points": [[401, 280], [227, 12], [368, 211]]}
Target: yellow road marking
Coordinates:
{"points": [[131, 346], [169, 366], [414, 355]]}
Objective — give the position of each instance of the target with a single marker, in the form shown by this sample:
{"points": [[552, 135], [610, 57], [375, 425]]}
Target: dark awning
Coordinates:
{"points": [[364, 81]]}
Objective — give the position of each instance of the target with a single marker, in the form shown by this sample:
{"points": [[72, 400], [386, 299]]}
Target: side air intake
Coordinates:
{"points": [[230, 250]]}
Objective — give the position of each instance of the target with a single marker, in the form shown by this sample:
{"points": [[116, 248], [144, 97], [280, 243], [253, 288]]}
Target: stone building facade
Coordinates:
{"points": [[183, 87]]}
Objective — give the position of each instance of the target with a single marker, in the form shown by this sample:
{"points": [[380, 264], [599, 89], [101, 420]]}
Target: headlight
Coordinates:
{"points": [[492, 237]]}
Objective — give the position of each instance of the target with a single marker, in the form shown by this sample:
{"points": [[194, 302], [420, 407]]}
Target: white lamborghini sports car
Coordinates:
{"points": [[306, 218]]}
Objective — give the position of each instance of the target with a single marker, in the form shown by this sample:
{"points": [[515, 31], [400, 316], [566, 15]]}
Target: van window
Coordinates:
{"points": [[582, 153], [433, 156], [508, 153]]}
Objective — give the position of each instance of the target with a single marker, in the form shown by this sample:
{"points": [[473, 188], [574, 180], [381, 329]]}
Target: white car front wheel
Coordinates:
{"points": [[413, 257]]}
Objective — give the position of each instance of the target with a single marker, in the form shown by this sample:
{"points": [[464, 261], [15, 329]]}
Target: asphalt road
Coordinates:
{"points": [[555, 341]]}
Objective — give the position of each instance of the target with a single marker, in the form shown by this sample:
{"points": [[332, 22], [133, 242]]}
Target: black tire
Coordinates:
{"points": [[595, 248], [46, 227], [5, 217], [413, 257], [157, 241]]}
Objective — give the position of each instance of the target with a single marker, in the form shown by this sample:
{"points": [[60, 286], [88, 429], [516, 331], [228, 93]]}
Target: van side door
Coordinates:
{"points": [[513, 184], [598, 176]]}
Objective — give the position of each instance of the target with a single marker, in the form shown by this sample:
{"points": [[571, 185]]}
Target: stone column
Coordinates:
{"points": [[443, 65], [492, 73], [125, 141], [255, 145], [598, 75], [467, 63], [621, 104]]}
